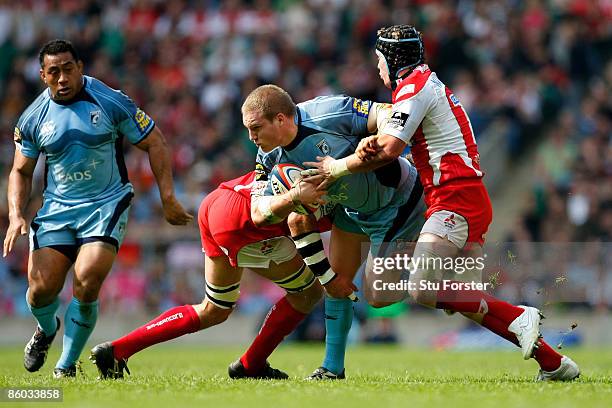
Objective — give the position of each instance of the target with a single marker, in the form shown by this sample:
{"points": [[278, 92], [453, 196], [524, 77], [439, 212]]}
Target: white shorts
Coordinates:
{"points": [[448, 224], [259, 254]]}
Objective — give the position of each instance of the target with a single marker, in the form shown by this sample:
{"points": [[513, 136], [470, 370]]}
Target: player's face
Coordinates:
{"points": [[63, 75], [263, 132], [383, 70]]}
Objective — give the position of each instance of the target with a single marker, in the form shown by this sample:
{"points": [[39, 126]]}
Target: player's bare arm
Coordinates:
{"points": [[388, 148], [266, 210], [19, 187], [159, 159]]}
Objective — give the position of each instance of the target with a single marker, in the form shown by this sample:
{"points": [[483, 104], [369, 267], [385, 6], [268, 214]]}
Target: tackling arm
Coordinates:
{"points": [[266, 210]]}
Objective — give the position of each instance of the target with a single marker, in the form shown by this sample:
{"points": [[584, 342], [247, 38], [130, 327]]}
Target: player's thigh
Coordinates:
{"points": [[346, 251], [432, 253], [94, 262], [295, 277], [47, 269]]}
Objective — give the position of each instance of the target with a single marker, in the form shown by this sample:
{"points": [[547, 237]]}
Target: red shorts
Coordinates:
{"points": [[469, 200], [225, 225]]}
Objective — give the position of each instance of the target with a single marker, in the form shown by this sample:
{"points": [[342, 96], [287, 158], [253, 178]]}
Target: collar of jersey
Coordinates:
{"points": [[302, 133]]}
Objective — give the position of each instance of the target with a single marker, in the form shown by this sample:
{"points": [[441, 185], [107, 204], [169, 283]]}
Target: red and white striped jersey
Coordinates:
{"points": [[429, 117]]}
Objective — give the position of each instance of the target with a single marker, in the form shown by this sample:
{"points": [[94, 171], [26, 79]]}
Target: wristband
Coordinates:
{"points": [[339, 168]]}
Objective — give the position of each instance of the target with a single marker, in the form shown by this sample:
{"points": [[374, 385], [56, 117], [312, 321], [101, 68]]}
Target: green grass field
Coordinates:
{"points": [[172, 376]]}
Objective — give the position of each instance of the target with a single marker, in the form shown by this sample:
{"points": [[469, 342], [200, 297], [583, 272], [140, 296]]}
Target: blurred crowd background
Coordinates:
{"points": [[536, 73]]}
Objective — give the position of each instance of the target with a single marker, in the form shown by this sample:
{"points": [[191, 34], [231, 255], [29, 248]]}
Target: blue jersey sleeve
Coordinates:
{"points": [[23, 136], [138, 124], [130, 120], [339, 114]]}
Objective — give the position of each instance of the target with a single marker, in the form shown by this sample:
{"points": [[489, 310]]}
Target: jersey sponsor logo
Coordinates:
{"points": [[338, 197], [454, 100], [361, 108], [17, 135], [266, 247], [449, 222], [71, 174], [398, 120], [142, 120], [260, 172], [47, 128], [94, 117], [327, 208], [324, 147]]}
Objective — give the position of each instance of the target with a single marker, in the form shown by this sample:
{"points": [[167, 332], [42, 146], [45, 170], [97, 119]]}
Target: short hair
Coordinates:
{"points": [[55, 47], [269, 100]]}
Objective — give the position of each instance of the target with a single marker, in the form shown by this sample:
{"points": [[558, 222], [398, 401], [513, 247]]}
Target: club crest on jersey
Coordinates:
{"points": [[398, 120], [47, 129], [94, 117], [324, 147]]}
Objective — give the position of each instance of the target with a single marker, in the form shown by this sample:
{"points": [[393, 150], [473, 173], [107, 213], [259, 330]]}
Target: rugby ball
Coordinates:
{"points": [[282, 177]]}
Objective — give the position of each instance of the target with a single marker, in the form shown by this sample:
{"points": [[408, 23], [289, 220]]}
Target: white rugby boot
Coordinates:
{"points": [[567, 371], [526, 327]]}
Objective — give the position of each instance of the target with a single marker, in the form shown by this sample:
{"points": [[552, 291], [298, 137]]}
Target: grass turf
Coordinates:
{"points": [[378, 377]]}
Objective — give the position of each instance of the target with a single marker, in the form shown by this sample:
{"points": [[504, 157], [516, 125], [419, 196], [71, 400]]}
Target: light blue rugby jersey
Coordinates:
{"points": [[82, 141], [333, 126]]}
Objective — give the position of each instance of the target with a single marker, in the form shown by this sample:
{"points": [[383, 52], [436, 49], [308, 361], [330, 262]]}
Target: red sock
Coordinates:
{"points": [[281, 320], [477, 301], [169, 325], [546, 356]]}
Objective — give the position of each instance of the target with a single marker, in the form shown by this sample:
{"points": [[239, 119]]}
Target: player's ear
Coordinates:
{"points": [[281, 118], [80, 66], [42, 75]]}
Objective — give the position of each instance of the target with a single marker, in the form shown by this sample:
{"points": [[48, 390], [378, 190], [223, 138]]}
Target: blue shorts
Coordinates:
{"points": [[59, 224], [392, 224]]}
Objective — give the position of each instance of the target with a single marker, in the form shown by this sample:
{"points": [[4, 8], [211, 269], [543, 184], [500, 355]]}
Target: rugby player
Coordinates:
{"points": [[428, 116], [232, 242], [377, 207], [79, 124]]}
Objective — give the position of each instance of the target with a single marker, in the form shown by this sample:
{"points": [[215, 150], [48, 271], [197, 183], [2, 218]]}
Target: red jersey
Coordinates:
{"points": [[225, 221], [428, 116]]}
